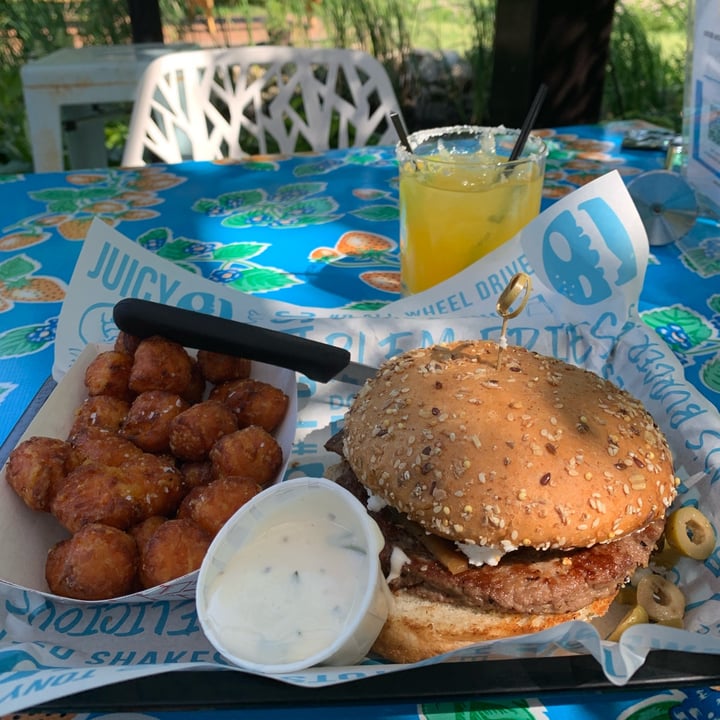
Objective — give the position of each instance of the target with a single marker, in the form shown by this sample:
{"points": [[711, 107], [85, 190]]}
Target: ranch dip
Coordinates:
{"points": [[287, 592]]}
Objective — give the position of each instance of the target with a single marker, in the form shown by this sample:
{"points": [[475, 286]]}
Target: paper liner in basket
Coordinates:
{"points": [[26, 535]]}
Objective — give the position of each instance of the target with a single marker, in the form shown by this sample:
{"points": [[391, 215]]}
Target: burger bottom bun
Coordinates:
{"points": [[417, 629]]}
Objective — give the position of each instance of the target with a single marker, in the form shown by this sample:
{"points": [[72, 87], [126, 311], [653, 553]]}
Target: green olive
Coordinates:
{"points": [[627, 595], [672, 622], [690, 532], [662, 599], [667, 556], [636, 616]]}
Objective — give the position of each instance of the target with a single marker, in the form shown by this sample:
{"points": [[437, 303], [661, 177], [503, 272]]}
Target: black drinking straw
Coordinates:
{"points": [[528, 123], [400, 130]]}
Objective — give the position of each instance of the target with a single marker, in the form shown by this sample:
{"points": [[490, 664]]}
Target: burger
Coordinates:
{"points": [[514, 491]]}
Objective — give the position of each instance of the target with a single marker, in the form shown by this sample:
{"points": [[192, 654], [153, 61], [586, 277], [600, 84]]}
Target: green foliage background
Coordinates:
{"points": [[645, 78]]}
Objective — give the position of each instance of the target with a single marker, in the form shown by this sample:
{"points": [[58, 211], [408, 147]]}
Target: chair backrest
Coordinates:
{"points": [[230, 102]]}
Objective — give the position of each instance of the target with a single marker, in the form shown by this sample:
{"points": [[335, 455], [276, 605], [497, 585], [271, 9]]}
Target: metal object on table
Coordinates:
{"points": [[666, 203], [675, 156]]}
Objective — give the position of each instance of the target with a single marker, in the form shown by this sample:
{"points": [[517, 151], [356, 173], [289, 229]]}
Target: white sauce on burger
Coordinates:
{"points": [[397, 559], [375, 503], [482, 555]]}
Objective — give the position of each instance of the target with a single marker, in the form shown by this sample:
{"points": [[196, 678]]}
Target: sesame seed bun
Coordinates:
{"points": [[534, 452]]}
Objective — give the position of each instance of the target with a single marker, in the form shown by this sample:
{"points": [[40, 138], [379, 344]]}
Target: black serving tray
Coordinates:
{"points": [[229, 689]]}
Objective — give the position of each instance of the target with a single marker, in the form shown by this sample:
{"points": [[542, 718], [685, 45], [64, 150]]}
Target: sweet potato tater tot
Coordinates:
{"points": [[102, 446], [176, 548], [109, 374], [195, 391], [148, 421], [119, 496], [94, 493], [36, 469], [97, 563], [196, 473], [217, 367], [143, 531], [126, 343], [251, 452], [254, 402], [194, 431], [160, 364], [103, 411], [211, 506], [155, 484]]}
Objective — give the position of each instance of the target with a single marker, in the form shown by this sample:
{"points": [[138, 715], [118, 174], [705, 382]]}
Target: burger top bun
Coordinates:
{"points": [[537, 453]]}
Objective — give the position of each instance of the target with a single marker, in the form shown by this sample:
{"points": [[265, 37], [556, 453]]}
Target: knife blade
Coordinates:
{"points": [[316, 360]]}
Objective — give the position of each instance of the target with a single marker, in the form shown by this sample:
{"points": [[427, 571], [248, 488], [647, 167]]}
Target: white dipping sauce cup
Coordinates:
{"points": [[293, 580]]}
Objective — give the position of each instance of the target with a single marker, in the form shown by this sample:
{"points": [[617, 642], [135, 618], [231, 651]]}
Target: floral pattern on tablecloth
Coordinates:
{"points": [[114, 196], [316, 228], [574, 161]]}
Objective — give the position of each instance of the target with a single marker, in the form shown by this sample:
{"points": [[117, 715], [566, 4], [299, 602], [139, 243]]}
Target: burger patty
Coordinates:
{"points": [[525, 580]]}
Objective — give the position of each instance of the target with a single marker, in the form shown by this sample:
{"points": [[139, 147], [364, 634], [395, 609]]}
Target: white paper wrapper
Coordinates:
{"points": [[586, 255], [22, 565]]}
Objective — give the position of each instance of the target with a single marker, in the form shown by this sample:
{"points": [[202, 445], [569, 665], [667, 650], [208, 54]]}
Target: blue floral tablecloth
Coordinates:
{"points": [[321, 231]]}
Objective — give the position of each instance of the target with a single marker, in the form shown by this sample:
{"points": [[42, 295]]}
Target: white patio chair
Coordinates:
{"points": [[230, 102]]}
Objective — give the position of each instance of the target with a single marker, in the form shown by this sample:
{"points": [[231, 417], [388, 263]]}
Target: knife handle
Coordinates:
{"points": [[144, 318]]}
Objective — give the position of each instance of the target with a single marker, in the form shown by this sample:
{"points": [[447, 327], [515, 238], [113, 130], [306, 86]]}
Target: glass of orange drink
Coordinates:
{"points": [[461, 197]]}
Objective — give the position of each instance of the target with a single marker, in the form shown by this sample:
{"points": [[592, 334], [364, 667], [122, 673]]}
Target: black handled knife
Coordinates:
{"points": [[316, 360]]}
